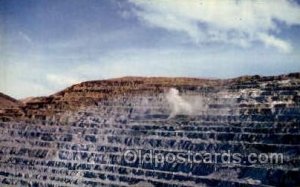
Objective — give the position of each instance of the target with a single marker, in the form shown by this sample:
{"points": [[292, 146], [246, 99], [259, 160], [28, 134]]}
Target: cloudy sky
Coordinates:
{"points": [[46, 45]]}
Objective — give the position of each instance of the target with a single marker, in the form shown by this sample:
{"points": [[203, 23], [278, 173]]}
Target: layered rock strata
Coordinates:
{"points": [[79, 136]]}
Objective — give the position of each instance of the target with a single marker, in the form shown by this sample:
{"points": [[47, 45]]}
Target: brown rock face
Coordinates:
{"points": [[10, 108], [91, 92]]}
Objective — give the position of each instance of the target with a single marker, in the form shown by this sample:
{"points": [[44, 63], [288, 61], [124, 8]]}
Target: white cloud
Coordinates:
{"points": [[24, 75], [229, 21], [25, 37], [61, 80], [270, 40]]}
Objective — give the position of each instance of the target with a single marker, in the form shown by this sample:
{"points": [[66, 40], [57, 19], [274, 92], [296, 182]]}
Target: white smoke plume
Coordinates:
{"points": [[191, 104], [178, 104]]}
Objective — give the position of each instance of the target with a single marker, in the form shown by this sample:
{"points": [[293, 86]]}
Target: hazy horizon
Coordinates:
{"points": [[211, 78]]}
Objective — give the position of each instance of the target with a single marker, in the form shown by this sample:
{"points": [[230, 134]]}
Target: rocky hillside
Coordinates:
{"points": [[91, 92], [90, 126], [10, 108]]}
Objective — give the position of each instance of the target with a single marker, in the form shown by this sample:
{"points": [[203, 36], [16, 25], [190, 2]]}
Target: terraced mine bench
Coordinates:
{"points": [[87, 146]]}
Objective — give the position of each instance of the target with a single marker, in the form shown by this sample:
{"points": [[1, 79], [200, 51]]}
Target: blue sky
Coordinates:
{"points": [[47, 45]]}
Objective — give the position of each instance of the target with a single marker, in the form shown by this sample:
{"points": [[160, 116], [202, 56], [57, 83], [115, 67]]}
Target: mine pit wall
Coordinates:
{"points": [[86, 147]]}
